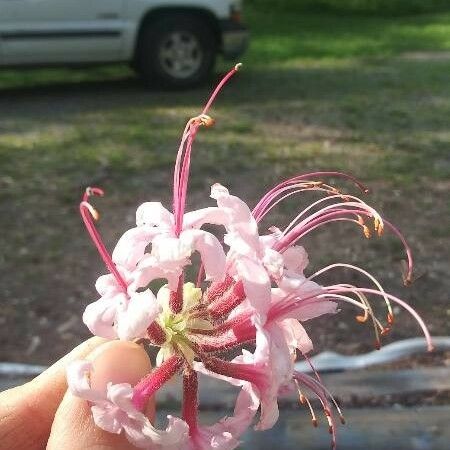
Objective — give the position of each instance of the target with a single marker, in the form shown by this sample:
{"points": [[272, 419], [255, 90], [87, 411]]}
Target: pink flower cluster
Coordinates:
{"points": [[251, 295]]}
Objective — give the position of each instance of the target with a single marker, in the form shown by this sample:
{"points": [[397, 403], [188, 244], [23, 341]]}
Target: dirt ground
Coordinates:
{"points": [[48, 266]]}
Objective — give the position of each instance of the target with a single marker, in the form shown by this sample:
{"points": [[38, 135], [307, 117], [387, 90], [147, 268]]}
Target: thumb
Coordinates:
{"points": [[73, 427]]}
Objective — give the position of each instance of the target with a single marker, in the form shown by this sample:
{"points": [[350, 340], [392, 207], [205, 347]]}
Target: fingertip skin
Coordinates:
{"points": [[27, 411], [73, 426]]}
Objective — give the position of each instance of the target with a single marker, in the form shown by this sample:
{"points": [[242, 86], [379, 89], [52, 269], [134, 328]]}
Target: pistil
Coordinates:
{"points": [[89, 214]]}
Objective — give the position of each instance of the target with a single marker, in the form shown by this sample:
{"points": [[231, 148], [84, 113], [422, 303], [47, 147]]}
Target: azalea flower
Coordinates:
{"points": [[252, 294]]}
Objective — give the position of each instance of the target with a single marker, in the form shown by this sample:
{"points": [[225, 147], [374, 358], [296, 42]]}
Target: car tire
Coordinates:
{"points": [[176, 52]]}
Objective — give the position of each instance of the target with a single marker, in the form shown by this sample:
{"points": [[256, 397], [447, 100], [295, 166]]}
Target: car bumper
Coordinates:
{"points": [[235, 37]]}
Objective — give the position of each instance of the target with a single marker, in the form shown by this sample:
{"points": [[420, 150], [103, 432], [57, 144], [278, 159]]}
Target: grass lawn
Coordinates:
{"points": [[370, 96]]}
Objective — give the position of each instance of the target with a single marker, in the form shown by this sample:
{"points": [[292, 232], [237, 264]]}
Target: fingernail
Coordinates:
{"points": [[119, 362]]}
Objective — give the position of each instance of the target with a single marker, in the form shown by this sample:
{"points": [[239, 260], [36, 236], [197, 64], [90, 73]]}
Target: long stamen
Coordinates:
{"points": [[408, 277], [272, 193], [284, 193], [304, 399], [321, 394], [368, 275], [322, 200], [296, 189], [326, 215], [328, 393], [89, 214], [182, 164], [349, 206], [344, 288]]}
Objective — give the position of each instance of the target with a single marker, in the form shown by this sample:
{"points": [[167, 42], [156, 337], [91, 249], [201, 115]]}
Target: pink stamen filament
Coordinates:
{"points": [[322, 200], [304, 399], [86, 215], [326, 392], [301, 230], [316, 374], [307, 186], [358, 269], [262, 204], [339, 206], [408, 277], [297, 233], [340, 289], [155, 380], [318, 389], [182, 163], [321, 188]]}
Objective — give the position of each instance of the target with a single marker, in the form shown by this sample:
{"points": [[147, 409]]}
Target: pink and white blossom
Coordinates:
{"points": [[252, 293]]}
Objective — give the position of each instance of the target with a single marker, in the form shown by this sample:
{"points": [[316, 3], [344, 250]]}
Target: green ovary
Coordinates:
{"points": [[176, 326]]}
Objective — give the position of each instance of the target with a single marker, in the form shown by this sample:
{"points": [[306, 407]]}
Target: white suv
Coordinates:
{"points": [[171, 42]]}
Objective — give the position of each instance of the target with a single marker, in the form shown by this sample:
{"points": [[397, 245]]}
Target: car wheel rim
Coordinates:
{"points": [[180, 54]]}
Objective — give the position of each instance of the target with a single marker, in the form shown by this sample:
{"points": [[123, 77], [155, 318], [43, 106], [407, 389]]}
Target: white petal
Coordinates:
{"points": [[131, 246], [211, 215], [154, 214], [78, 382], [136, 315], [100, 316], [295, 335], [256, 285], [296, 258], [106, 419], [211, 252]]}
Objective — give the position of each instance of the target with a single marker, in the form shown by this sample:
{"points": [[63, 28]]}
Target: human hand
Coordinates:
{"points": [[43, 414]]}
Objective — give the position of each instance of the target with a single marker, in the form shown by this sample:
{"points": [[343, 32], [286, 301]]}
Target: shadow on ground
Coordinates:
{"points": [[384, 120]]}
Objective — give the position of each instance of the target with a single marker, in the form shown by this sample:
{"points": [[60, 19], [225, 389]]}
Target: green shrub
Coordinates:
{"points": [[379, 7]]}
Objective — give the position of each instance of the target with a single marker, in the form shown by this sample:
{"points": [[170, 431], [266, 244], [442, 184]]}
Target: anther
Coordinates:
{"points": [[362, 319], [377, 344], [206, 120], [94, 213], [407, 280], [237, 66], [390, 319], [342, 419]]}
